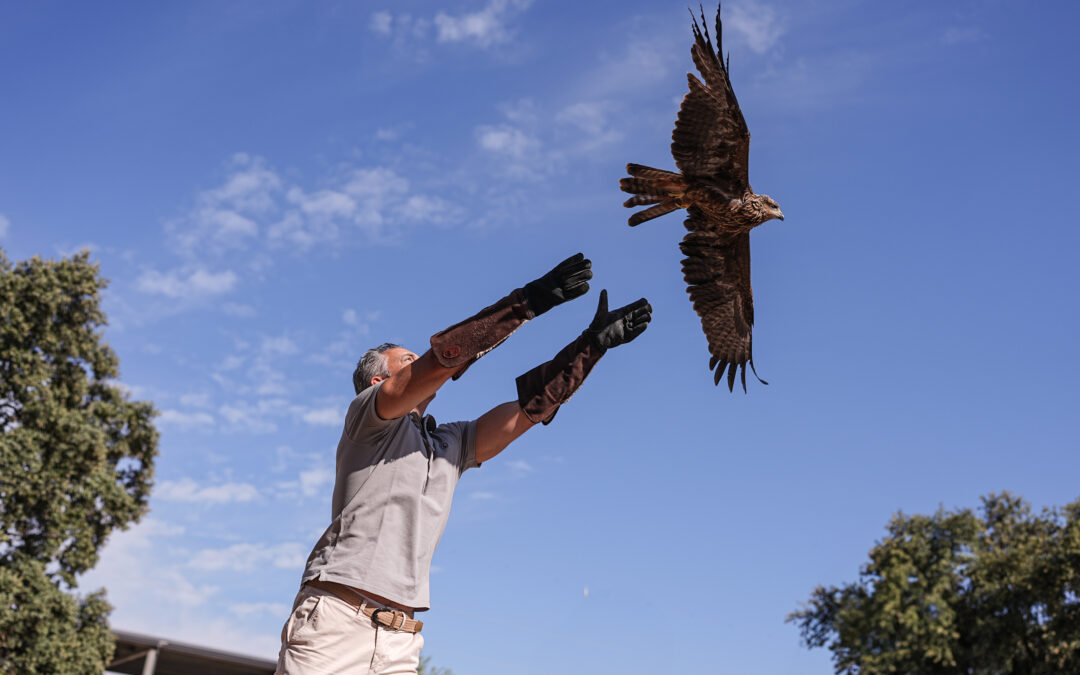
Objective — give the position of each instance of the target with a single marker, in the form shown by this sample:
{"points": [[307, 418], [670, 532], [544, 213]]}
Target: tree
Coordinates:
{"points": [[427, 669], [76, 462], [959, 593]]}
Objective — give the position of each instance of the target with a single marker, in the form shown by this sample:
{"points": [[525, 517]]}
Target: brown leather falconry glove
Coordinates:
{"points": [[461, 344], [546, 387]]}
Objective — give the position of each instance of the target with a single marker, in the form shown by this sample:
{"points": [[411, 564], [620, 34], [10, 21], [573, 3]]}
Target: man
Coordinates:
{"points": [[367, 576]]}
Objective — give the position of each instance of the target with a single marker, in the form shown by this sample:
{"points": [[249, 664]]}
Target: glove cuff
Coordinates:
{"points": [[463, 343], [546, 387]]}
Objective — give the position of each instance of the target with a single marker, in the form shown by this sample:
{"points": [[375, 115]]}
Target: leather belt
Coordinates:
{"points": [[391, 618]]}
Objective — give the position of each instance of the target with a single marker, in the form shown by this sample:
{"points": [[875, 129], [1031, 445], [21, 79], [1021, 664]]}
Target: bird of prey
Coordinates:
{"points": [[711, 146]]}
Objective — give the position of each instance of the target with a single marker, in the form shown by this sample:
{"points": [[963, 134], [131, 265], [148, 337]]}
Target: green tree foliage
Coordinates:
{"points": [[76, 462], [994, 593], [427, 669]]}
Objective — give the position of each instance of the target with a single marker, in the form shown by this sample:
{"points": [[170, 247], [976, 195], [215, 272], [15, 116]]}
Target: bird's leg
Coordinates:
{"points": [[680, 199]]}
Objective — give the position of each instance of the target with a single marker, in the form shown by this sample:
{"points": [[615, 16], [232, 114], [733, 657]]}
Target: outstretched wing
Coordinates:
{"points": [[717, 273], [710, 143]]}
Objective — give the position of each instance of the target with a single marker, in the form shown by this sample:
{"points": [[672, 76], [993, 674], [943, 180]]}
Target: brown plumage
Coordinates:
{"points": [[711, 147]]}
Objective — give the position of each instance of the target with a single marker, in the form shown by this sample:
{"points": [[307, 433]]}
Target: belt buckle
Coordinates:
{"points": [[393, 613]]}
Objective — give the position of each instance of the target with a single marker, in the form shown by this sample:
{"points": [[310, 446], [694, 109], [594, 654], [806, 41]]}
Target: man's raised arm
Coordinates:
{"points": [[415, 379], [546, 387]]}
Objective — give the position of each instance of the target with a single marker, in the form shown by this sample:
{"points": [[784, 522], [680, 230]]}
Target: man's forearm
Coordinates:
{"points": [[411, 386], [463, 343], [498, 427]]}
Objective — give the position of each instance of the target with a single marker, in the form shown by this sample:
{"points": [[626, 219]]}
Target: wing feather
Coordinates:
{"points": [[717, 274], [711, 143]]}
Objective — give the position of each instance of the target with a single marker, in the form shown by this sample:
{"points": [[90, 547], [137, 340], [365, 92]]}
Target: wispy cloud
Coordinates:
{"points": [[506, 140], [186, 420], [313, 481], [186, 283], [331, 416], [276, 609], [481, 28], [145, 572], [519, 466], [255, 418], [257, 211], [248, 557], [490, 25], [187, 490], [755, 23]]}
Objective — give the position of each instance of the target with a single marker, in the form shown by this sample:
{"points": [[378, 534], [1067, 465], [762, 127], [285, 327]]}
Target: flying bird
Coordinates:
{"points": [[711, 147]]}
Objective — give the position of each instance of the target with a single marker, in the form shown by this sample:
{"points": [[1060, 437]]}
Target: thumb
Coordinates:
{"points": [[601, 308]]}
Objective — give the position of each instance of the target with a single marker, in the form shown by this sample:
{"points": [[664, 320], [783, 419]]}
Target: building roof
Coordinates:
{"points": [[166, 657]]}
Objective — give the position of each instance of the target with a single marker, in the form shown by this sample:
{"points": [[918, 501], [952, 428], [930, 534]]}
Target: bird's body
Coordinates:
{"points": [[710, 145]]}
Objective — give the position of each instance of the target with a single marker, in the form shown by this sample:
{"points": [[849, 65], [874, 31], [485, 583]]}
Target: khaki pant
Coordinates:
{"points": [[326, 636]]}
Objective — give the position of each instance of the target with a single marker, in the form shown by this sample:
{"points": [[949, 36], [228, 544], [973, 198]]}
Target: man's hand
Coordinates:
{"points": [[611, 329], [569, 280]]}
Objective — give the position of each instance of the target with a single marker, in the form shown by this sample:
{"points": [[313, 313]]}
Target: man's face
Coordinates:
{"points": [[396, 359]]}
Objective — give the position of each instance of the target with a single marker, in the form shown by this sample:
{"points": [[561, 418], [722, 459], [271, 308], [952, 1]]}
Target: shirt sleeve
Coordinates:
{"points": [[460, 440], [362, 422]]}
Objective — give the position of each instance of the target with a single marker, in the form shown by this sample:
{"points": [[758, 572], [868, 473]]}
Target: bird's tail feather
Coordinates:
{"points": [[652, 212], [651, 186]]}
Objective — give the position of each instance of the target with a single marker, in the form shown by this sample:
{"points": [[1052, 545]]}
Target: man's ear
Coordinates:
{"points": [[377, 379]]}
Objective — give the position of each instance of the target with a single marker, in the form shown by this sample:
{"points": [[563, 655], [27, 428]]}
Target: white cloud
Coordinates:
{"points": [[387, 134], [281, 346], [223, 218], [257, 211], [381, 22], [324, 417], [756, 23], [200, 400], [231, 362], [5, 225], [325, 203], [429, 210], [153, 594], [519, 466], [591, 119], [482, 28], [186, 284], [506, 140], [251, 188], [257, 418], [124, 571], [277, 609], [312, 482], [187, 490], [481, 495], [248, 557], [185, 420]]}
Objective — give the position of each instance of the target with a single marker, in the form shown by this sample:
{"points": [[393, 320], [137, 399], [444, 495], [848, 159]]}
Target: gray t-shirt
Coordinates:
{"points": [[395, 482]]}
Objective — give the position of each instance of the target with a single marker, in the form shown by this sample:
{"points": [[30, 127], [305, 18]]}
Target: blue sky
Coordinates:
{"points": [[272, 187]]}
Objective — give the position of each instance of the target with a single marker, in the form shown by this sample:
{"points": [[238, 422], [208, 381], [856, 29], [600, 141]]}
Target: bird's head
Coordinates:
{"points": [[768, 209]]}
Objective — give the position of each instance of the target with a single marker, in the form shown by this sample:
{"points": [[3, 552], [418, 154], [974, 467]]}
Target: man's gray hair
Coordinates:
{"points": [[371, 364]]}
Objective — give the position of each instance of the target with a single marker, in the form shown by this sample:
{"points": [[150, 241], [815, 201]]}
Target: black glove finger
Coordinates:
{"points": [[575, 261], [576, 280], [628, 309], [576, 290], [576, 277], [637, 330], [640, 316]]}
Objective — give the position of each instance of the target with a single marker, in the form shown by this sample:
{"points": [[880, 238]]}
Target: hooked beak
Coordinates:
{"points": [[779, 214]]}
